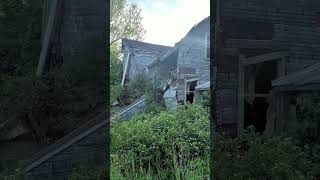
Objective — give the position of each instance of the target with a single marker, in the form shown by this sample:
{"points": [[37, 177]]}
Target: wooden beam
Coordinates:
{"points": [[249, 44], [125, 68], [240, 96], [257, 95], [265, 58], [47, 38], [65, 145]]}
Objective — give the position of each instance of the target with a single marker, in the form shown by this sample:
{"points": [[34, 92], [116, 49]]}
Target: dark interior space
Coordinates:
{"points": [[190, 89], [247, 114], [256, 113], [266, 73]]}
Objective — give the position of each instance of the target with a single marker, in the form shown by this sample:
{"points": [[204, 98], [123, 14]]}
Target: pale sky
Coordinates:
{"points": [[168, 21]]}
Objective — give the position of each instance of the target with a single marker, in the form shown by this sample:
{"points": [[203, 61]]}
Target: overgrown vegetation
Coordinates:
{"points": [[130, 92], [261, 157], [162, 144], [294, 155]]}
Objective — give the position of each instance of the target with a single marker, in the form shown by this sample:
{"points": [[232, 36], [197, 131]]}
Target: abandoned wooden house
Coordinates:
{"points": [[68, 28], [181, 71], [266, 52], [186, 67]]}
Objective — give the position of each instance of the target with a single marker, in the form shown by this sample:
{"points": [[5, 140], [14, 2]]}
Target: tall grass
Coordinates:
{"points": [[194, 169]]}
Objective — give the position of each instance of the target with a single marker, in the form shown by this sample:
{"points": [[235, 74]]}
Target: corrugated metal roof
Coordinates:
{"points": [[309, 75]]}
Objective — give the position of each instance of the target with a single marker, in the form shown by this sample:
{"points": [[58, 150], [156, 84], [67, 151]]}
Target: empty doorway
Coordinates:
{"points": [[190, 86]]}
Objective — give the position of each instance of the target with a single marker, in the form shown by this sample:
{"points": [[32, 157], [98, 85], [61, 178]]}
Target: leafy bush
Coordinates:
{"points": [[115, 66], [139, 85], [205, 99], [154, 101], [156, 141], [260, 157], [134, 89]]}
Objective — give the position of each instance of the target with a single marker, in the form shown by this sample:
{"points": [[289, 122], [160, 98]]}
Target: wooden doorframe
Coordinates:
{"points": [[242, 64]]}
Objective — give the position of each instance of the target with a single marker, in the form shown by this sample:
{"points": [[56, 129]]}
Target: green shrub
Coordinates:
{"points": [[116, 93], [116, 65], [156, 140], [205, 99], [261, 157], [130, 92], [154, 101]]}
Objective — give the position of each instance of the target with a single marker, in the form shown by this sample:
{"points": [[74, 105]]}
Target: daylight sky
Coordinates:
{"points": [[168, 21]]}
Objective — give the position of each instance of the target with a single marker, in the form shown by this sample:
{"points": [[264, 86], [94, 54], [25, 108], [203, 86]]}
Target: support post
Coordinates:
{"points": [[125, 68], [240, 95], [47, 37]]}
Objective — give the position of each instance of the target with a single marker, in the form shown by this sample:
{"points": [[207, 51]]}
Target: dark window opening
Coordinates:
{"points": [[190, 91], [266, 73]]}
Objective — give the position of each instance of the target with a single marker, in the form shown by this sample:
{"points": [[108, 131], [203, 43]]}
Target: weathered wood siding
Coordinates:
{"points": [[163, 73], [12, 150], [192, 61], [139, 60], [83, 24], [79, 33], [294, 24], [90, 151], [290, 25]]}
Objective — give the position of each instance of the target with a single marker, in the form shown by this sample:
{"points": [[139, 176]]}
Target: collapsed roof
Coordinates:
{"points": [[197, 29]]}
